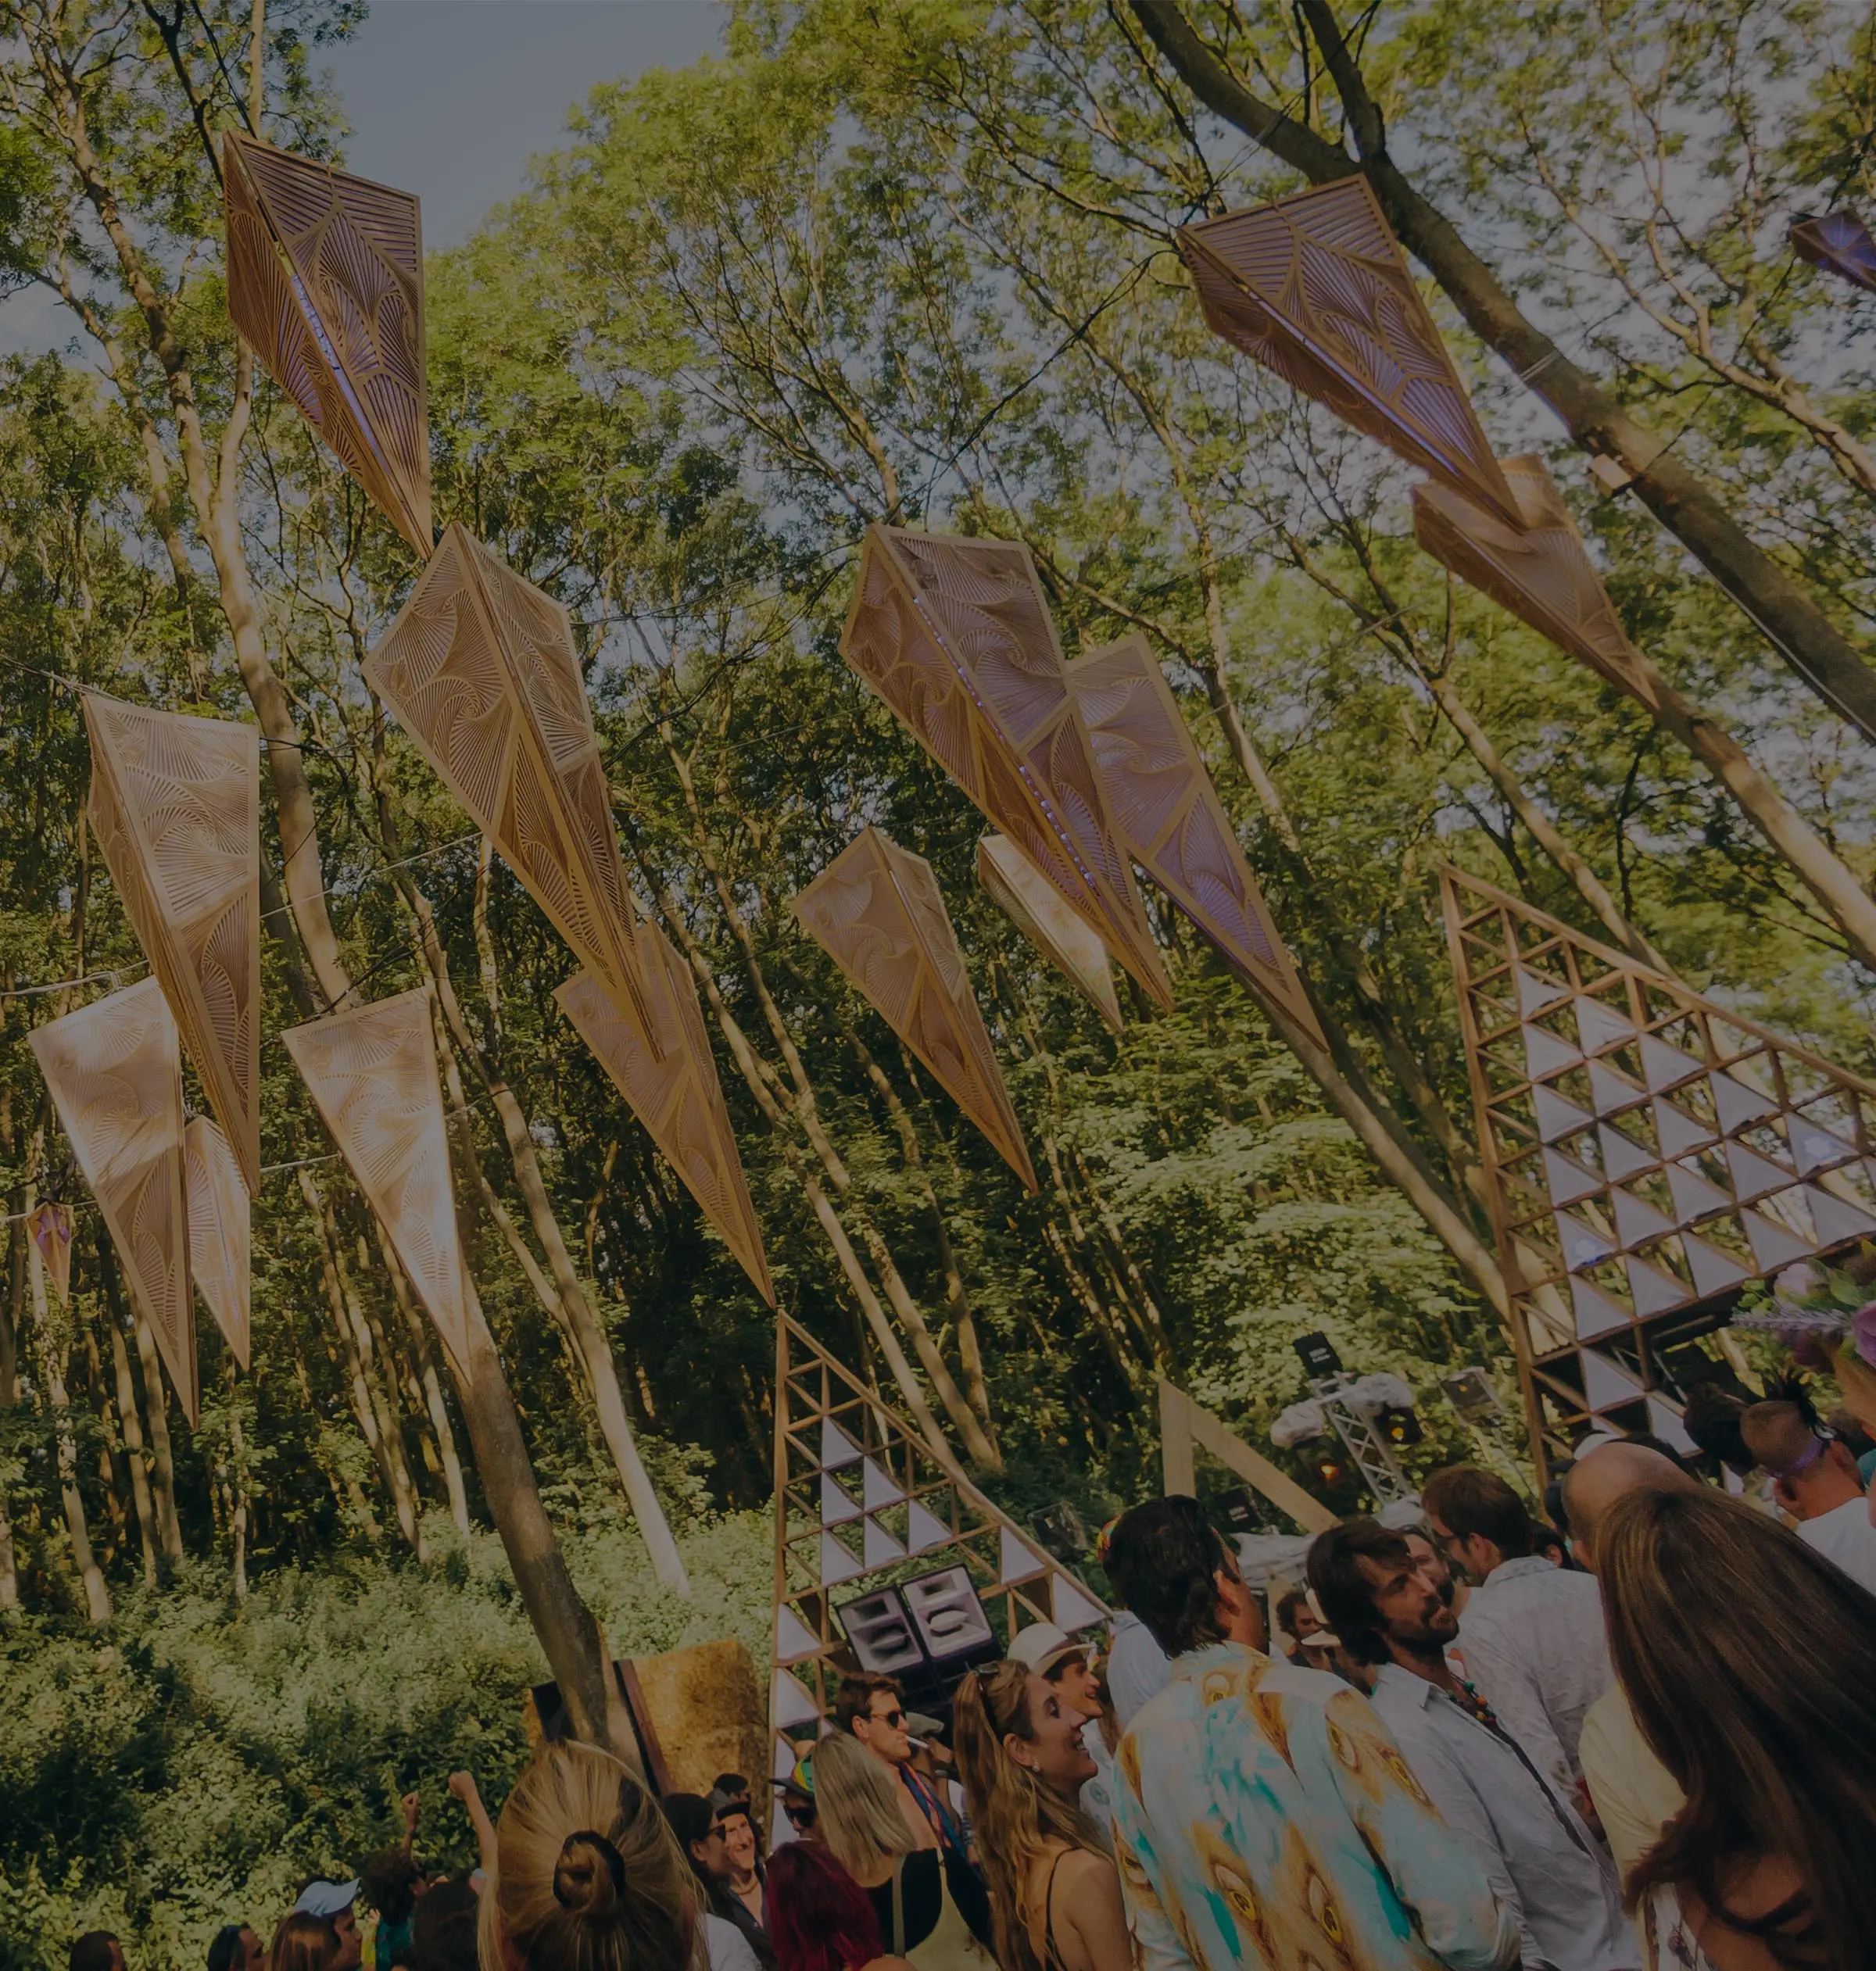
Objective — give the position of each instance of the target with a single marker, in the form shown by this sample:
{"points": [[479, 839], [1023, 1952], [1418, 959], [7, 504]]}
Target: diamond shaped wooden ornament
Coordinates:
{"points": [[675, 1093], [877, 911], [935, 1515], [325, 279], [114, 1069], [481, 670], [1315, 288], [956, 636], [219, 1232], [1840, 243], [1034, 905], [371, 1070], [175, 803], [1172, 821], [1626, 1249]]}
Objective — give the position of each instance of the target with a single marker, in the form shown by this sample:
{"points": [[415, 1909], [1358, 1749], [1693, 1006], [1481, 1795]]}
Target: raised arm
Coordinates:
{"points": [[462, 1786]]}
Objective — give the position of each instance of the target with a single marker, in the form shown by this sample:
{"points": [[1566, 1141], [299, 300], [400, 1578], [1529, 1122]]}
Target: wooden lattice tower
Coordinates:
{"points": [[1647, 1153]]}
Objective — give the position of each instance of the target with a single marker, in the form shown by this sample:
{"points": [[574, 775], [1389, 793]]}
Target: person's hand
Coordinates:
{"points": [[408, 1803], [462, 1786]]}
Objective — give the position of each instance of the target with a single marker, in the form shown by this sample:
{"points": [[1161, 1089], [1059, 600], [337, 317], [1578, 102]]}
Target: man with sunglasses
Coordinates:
{"points": [[873, 1709]]}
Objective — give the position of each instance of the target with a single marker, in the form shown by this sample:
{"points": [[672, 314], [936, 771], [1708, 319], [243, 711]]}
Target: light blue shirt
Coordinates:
{"points": [[1138, 1668]]}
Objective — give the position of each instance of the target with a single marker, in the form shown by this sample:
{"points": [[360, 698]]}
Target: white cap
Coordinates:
{"points": [[1042, 1645], [326, 1898]]}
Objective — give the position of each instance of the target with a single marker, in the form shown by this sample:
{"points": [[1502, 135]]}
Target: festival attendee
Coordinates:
{"points": [[587, 1875], [1532, 1634], [797, 1794], [1750, 1662], [390, 1882], [333, 1901], [1815, 1480], [1138, 1669], [731, 1786], [1060, 1661], [443, 1928], [820, 1919], [1544, 1865], [1265, 1815], [1055, 1902], [96, 1950], [931, 1908], [872, 1710], [702, 1837], [303, 1942], [236, 1947], [462, 1786], [741, 1852]]}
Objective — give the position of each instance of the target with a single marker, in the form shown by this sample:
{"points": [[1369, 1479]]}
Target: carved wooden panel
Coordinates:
{"points": [[175, 803], [675, 1093], [1036, 908], [878, 913], [114, 1069], [481, 670], [1315, 287], [1541, 571], [325, 278], [49, 1227], [1173, 823], [218, 1231], [372, 1072], [1840, 243], [1647, 1152], [955, 635]]}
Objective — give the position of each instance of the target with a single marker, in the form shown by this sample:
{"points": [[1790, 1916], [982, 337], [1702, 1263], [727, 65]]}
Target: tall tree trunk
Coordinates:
{"points": [[52, 1355], [163, 1464], [347, 1493], [237, 1494], [134, 1454], [425, 1350]]}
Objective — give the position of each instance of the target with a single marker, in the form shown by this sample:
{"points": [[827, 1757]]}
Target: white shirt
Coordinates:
{"points": [[1844, 1535], [724, 1947], [1138, 1668], [1537, 1652], [1544, 1865]]}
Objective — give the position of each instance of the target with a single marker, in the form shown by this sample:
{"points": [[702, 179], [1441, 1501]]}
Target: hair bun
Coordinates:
{"points": [[589, 1877]]}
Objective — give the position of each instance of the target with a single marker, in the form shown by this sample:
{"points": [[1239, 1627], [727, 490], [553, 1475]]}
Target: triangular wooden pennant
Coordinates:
{"points": [[1840, 243], [1315, 287], [219, 1232], [1168, 814], [1017, 1561], [1548, 1225], [1535, 993], [955, 635], [836, 1447], [1664, 1421], [325, 285], [793, 1638], [175, 803], [1597, 1314], [880, 1549], [49, 1227], [836, 1507], [877, 911], [1068, 1607], [1034, 905], [1545, 1054], [879, 1491], [923, 1530], [114, 1070], [1606, 1385], [371, 1072]]}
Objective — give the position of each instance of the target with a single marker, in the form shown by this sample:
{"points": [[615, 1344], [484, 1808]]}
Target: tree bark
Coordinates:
{"points": [[425, 1350], [162, 1464], [134, 1451], [53, 1353]]}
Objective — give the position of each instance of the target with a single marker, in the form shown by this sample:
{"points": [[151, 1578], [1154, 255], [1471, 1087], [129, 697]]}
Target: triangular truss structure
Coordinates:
{"points": [[1541, 572], [1840, 243], [1033, 905], [175, 803], [219, 1245], [481, 670], [1171, 821], [1648, 1152], [956, 636], [677, 1096], [877, 911], [115, 1070], [1184, 1424], [325, 276], [862, 1504], [372, 1072], [1315, 288]]}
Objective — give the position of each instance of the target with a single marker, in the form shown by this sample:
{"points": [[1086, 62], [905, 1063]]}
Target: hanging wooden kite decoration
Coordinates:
{"points": [[325, 276], [676, 1094], [1647, 1153], [1315, 287], [219, 1247], [175, 803], [955, 635], [1840, 243], [372, 1072], [1035, 907], [50, 1226], [114, 1069], [1169, 814], [877, 911], [884, 1553]]}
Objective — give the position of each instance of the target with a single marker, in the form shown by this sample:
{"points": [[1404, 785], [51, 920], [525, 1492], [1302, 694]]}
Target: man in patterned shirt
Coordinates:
{"points": [[1263, 1814]]}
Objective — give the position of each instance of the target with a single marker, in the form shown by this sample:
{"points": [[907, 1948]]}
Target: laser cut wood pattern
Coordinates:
{"points": [[1035, 907], [372, 1073], [114, 1069], [1647, 1152], [676, 1093], [1171, 821], [219, 1245], [956, 636], [861, 1503], [481, 670], [1840, 243], [175, 803], [1315, 288], [1541, 572], [877, 911], [49, 1227], [325, 278]]}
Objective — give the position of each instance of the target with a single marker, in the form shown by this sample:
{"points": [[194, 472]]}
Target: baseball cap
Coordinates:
{"points": [[801, 1780], [1041, 1645], [326, 1898]]}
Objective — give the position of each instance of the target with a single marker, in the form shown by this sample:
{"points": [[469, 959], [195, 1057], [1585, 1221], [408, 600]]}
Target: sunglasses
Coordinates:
{"points": [[891, 1719], [800, 1817]]}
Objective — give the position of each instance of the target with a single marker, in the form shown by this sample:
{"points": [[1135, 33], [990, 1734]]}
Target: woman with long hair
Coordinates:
{"points": [[1749, 1662], [1056, 1903], [587, 1875], [819, 1917], [303, 1942]]}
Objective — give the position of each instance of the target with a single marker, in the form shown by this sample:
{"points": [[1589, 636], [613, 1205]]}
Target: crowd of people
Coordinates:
{"points": [[1643, 1739]]}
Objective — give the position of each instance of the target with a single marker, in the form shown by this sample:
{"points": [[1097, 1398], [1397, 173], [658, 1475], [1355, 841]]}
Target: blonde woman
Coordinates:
{"points": [[931, 1909], [1055, 1901]]}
